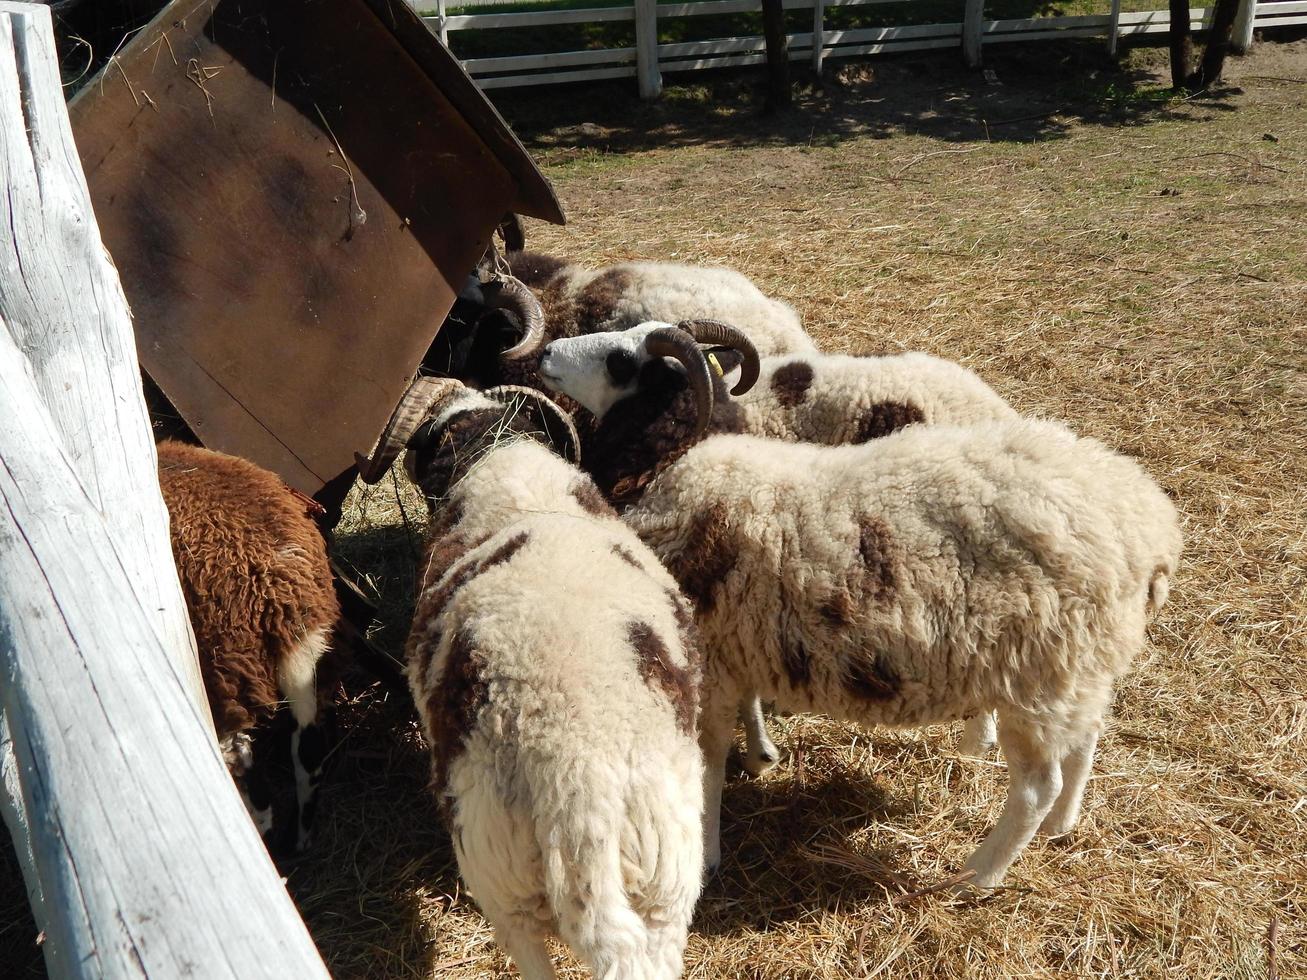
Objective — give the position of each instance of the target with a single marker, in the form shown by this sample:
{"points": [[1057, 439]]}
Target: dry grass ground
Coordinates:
{"points": [[1135, 267]]}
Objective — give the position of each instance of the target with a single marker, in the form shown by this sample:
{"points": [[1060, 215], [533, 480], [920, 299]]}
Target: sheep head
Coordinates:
{"points": [[446, 427], [601, 369]]}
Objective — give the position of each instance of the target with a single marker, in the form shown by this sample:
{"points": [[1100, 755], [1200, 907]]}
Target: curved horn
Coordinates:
{"points": [[678, 343], [421, 396], [507, 293], [512, 232], [716, 332], [549, 409]]}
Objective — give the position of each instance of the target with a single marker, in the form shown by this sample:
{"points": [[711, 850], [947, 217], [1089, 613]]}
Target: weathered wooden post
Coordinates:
{"points": [[779, 92], [646, 49], [65, 308], [818, 33], [1241, 38], [1114, 29], [973, 17], [442, 29], [135, 844]]}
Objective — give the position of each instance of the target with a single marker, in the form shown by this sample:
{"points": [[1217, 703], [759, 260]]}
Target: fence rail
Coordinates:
{"points": [[970, 34]]}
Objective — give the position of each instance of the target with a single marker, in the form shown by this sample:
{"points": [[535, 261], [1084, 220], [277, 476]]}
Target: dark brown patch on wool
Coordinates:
{"points": [[433, 600], [876, 548], [794, 658], [686, 630], [591, 500], [444, 545], [641, 436], [596, 303], [654, 662], [457, 699], [883, 418], [791, 382], [870, 680], [626, 556], [710, 553], [534, 268], [838, 610], [589, 310]]}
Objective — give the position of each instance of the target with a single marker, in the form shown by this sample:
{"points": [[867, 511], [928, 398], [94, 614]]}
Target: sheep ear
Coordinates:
{"points": [[548, 417]]}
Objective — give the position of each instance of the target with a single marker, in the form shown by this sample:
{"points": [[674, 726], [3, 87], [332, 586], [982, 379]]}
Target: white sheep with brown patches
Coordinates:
{"points": [[828, 399], [555, 667], [934, 574], [258, 587]]}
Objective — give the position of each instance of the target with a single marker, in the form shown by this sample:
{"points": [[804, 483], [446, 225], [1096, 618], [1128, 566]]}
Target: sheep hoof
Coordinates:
{"points": [[974, 749], [761, 763]]}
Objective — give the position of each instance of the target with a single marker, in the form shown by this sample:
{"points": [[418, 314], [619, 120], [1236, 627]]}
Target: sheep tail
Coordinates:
{"points": [[588, 868]]}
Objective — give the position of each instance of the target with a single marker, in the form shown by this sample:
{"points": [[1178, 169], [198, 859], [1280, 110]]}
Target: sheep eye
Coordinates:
{"points": [[622, 366]]}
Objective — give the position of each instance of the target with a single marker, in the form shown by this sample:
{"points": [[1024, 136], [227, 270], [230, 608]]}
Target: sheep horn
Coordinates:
{"points": [[422, 395], [716, 332], [549, 408], [506, 293], [678, 343], [512, 232]]}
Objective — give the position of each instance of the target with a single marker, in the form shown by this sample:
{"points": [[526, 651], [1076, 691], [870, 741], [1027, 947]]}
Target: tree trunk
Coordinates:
{"points": [[1218, 46], [1182, 43], [778, 55]]}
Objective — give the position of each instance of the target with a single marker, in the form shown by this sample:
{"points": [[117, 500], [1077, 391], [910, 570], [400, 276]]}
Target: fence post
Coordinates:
{"points": [[646, 49], [136, 849], [972, 25], [818, 33], [441, 18], [1114, 29], [1241, 38]]}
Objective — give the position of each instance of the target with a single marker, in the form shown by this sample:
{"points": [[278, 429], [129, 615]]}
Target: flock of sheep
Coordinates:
{"points": [[655, 504]]}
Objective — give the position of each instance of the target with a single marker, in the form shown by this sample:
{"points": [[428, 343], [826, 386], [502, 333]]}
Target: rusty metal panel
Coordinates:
{"points": [[292, 202]]}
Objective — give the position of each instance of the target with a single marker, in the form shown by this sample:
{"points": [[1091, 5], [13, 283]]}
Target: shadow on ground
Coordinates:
{"points": [[1028, 93]]}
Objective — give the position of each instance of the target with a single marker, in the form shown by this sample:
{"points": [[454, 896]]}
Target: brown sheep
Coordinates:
{"points": [[258, 587]]}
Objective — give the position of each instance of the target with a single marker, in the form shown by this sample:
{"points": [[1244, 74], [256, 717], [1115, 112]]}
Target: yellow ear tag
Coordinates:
{"points": [[712, 362]]}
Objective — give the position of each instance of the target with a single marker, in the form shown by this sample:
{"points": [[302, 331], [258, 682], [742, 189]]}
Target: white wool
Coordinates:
{"points": [[927, 576], [575, 797], [670, 291]]}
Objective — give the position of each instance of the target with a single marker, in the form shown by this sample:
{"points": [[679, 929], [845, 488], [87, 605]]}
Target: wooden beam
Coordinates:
{"points": [[1241, 39], [649, 76], [1114, 29], [137, 851], [147, 861], [973, 17], [64, 305], [818, 33]]}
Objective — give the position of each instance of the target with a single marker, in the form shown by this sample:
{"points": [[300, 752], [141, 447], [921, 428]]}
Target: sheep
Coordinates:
{"points": [[830, 399], [936, 573], [258, 588], [555, 666], [574, 301]]}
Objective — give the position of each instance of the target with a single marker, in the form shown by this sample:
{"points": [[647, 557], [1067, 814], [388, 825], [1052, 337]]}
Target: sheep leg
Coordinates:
{"points": [[527, 951], [308, 742], [1034, 762], [979, 736], [251, 780], [760, 752], [716, 728], [1075, 774]]}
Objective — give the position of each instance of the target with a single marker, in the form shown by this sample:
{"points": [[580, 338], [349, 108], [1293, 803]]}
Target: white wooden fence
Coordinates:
{"points": [[648, 59], [138, 855]]}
